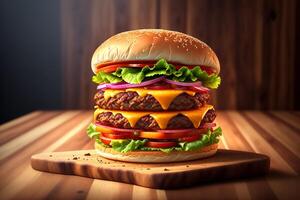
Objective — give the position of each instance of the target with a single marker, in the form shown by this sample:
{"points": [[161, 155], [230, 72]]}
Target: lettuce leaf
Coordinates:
{"points": [[165, 150], [130, 75], [207, 139], [161, 68], [91, 131], [127, 145], [102, 77]]}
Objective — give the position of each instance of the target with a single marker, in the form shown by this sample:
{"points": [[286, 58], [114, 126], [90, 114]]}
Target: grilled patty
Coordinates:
{"points": [[148, 123], [131, 101]]}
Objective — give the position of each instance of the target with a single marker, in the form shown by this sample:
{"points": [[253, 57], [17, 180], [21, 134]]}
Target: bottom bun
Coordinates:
{"points": [[156, 156]]}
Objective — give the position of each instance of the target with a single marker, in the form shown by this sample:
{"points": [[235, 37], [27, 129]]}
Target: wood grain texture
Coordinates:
{"points": [[241, 132], [254, 40], [225, 165]]}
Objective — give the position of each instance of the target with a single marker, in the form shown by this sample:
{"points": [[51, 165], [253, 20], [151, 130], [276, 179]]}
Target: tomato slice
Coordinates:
{"points": [[110, 68], [105, 140], [161, 144], [119, 136], [189, 138], [161, 135]]}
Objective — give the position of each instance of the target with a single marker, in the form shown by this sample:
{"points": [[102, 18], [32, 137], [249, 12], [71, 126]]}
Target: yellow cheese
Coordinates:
{"points": [[162, 118], [164, 97]]}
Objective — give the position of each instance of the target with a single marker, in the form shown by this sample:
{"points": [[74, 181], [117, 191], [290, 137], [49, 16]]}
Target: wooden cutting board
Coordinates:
{"points": [[226, 164]]}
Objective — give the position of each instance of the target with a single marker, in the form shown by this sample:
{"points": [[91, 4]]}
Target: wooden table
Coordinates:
{"points": [[276, 134]]}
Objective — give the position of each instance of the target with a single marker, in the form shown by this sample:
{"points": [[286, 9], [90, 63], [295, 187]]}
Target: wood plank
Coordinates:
{"points": [[253, 188], [278, 43], [231, 134], [173, 15], [259, 144], [59, 186], [289, 139], [139, 192], [270, 136], [18, 129], [77, 87], [145, 19], [226, 164], [21, 164], [288, 118], [19, 120], [14, 145], [101, 189], [204, 191]]}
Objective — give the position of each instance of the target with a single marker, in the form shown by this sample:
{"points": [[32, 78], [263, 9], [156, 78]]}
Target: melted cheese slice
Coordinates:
{"points": [[164, 97], [162, 118]]}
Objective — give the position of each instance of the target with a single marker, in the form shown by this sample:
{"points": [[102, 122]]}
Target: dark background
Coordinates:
{"points": [[46, 47]]}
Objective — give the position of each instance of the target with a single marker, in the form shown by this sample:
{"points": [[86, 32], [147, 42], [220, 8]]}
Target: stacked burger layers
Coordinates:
{"points": [[152, 97]]}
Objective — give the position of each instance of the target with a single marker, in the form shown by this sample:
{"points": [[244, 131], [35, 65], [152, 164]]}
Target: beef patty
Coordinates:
{"points": [[131, 101], [148, 123]]}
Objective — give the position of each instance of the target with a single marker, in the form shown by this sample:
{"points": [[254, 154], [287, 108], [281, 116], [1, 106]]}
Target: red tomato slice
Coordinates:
{"points": [[161, 135], [189, 138], [161, 144], [110, 68], [105, 140], [119, 136]]}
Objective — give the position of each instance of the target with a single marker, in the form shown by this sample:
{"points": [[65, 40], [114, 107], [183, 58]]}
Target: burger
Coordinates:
{"points": [[152, 99]]}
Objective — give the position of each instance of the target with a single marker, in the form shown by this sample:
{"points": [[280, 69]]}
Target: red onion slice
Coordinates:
{"points": [[123, 130], [104, 85], [195, 85]]}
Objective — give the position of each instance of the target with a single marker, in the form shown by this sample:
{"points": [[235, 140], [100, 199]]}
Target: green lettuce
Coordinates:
{"points": [[161, 68], [211, 137], [126, 145], [165, 150], [91, 131], [207, 139], [102, 77]]}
